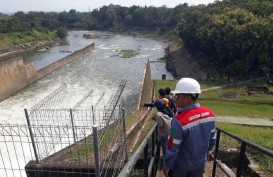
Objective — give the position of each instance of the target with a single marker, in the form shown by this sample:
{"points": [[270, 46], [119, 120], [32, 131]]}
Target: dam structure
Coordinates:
{"points": [[81, 89]]}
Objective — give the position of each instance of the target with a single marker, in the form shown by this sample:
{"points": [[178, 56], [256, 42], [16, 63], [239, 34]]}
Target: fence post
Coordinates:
{"points": [[104, 118], [146, 165], [93, 115], [154, 152], [72, 123], [153, 144], [96, 150], [157, 143], [216, 153], [31, 136], [124, 135], [241, 160]]}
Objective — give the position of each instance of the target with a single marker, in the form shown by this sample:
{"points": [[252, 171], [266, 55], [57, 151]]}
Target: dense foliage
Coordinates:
{"points": [[62, 32], [234, 36], [112, 17]]}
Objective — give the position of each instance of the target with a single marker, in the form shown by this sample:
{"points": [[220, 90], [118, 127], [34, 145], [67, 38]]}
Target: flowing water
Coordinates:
{"points": [[101, 70]]}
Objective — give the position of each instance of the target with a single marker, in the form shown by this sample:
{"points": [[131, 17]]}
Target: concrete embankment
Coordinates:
{"points": [[146, 83], [16, 75], [181, 64]]}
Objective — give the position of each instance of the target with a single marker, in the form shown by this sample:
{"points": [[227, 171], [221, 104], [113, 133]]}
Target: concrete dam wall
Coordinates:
{"points": [[16, 75], [13, 77]]}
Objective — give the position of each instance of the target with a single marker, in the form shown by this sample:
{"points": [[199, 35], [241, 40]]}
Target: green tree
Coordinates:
{"points": [[61, 32]]}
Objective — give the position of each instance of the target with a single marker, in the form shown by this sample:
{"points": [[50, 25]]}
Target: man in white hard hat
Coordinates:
{"points": [[192, 133]]}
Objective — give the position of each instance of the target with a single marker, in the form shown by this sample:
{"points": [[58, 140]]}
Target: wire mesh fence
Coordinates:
{"points": [[66, 147], [66, 142], [15, 149]]}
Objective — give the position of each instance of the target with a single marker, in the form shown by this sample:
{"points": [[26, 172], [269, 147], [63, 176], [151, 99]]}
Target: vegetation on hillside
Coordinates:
{"points": [[233, 36], [36, 34]]}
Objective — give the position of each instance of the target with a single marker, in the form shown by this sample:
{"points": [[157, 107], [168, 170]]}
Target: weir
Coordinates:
{"points": [[15, 75]]}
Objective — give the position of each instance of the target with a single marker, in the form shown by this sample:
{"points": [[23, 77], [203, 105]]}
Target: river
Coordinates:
{"points": [[101, 70]]}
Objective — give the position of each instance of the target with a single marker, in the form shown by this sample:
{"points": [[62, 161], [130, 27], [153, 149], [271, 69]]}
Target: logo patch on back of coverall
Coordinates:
{"points": [[170, 141], [172, 131]]}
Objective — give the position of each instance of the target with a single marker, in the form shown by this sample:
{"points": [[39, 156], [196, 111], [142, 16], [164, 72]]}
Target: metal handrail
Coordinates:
{"points": [[127, 169], [248, 143], [125, 172], [244, 143]]}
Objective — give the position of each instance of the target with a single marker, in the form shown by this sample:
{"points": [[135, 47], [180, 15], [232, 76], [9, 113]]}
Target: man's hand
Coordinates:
{"points": [[165, 172]]}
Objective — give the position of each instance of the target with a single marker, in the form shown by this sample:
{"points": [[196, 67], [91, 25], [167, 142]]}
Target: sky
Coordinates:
{"points": [[9, 6]]}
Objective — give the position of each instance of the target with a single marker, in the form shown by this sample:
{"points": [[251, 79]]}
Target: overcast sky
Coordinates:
{"points": [[85, 5]]}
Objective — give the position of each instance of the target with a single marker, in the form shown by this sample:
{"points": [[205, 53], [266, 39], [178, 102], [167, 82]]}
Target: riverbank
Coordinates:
{"points": [[17, 42], [15, 50]]}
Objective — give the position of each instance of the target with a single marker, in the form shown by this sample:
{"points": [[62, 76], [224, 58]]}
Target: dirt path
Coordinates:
{"points": [[245, 120], [223, 86]]}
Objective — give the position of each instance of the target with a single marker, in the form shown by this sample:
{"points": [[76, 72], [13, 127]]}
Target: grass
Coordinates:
{"points": [[25, 37], [144, 131], [240, 89], [128, 53], [80, 152], [257, 135], [259, 106], [163, 84], [237, 109], [254, 134], [87, 148]]}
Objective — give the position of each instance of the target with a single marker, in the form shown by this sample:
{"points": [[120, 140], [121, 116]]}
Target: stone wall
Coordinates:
{"points": [[16, 75]]}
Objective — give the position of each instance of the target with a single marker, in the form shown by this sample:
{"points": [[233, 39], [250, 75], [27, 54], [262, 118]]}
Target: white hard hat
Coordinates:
{"points": [[187, 85]]}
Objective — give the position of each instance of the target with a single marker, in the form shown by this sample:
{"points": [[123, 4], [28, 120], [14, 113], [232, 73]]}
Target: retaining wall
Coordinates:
{"points": [[13, 77], [16, 75], [146, 83]]}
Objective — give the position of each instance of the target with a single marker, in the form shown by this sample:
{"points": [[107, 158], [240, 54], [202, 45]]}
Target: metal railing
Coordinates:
{"points": [[148, 162], [242, 154]]}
